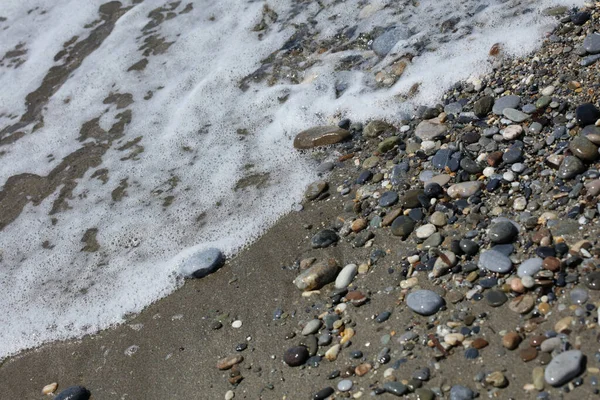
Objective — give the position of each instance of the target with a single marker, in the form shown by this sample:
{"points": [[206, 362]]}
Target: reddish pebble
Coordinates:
{"points": [[551, 264], [536, 340], [528, 354], [228, 362], [511, 340], [479, 343], [362, 369], [356, 298]]}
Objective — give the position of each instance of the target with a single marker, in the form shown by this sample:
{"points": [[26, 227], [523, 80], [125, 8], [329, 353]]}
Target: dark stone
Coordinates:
{"points": [[295, 356], [411, 198], [433, 190], [442, 158], [495, 298], [503, 232], [570, 167], [395, 388], [403, 226], [580, 18], [587, 114], [483, 106], [74, 393], [469, 247], [364, 177], [512, 155], [382, 317], [470, 166], [592, 280], [324, 238], [388, 199], [323, 393]]}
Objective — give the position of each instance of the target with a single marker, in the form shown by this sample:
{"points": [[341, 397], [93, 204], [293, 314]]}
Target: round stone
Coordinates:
{"points": [[438, 218], [395, 388], [583, 149], [564, 367], [324, 393], [295, 356], [388, 199], [424, 302], [403, 226], [579, 296], [469, 247], [423, 232], [504, 102], [570, 167], [459, 392], [530, 267], [511, 340], [344, 385], [311, 327], [528, 354], [495, 261], [587, 114], [592, 280], [502, 232], [315, 189], [512, 132], [464, 189], [324, 238], [495, 298]]}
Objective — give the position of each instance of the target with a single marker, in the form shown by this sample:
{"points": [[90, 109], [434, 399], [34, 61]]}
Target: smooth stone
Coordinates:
{"points": [[315, 189], [424, 302], [422, 374], [382, 317], [591, 43], [395, 388], [438, 218], [564, 367], [74, 393], [295, 356], [388, 144], [324, 393], [411, 198], [583, 149], [424, 231], [470, 166], [344, 385], [550, 344], [579, 296], [388, 199], [442, 158], [593, 187], [543, 101], [385, 42], [311, 327], [424, 394], [441, 179], [587, 114], [453, 108], [403, 226], [464, 189], [459, 392], [483, 106], [530, 267], [515, 115], [495, 298], [512, 132], [430, 129], [318, 275], [570, 167], [469, 247], [522, 304], [203, 263], [503, 232], [320, 136], [346, 276], [324, 238], [589, 60], [443, 263], [494, 261], [502, 103]]}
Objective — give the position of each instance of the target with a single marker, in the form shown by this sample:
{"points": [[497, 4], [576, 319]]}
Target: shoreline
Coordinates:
{"points": [[178, 345]]}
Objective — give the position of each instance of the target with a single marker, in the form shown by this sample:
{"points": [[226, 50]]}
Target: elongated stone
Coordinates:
{"points": [[346, 276], [318, 275], [464, 189], [320, 136], [203, 263], [564, 367]]}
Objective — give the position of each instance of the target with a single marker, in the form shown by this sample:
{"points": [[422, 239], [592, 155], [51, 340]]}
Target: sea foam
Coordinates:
{"points": [[202, 163]]}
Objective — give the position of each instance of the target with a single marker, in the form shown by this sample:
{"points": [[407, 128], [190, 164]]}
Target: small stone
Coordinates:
{"points": [[395, 388], [388, 199], [563, 324], [464, 189], [317, 276], [579, 296], [522, 304], [332, 353], [346, 276], [424, 302], [311, 327], [564, 367], [228, 362], [324, 238], [496, 379], [424, 231], [495, 298], [388, 144], [345, 385], [74, 393], [459, 392], [203, 263], [591, 43], [443, 263], [495, 261], [592, 280], [593, 187], [512, 132], [430, 129], [503, 232], [236, 324], [295, 356], [511, 340], [583, 149], [528, 354], [438, 219], [315, 189], [320, 136], [403, 226], [530, 267], [362, 369], [515, 115], [483, 106], [551, 264], [570, 167], [50, 388], [324, 393]]}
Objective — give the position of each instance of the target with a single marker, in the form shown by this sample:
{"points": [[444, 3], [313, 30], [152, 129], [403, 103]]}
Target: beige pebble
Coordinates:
{"points": [[563, 324], [332, 353], [229, 395], [49, 389], [347, 335], [408, 283], [453, 338]]}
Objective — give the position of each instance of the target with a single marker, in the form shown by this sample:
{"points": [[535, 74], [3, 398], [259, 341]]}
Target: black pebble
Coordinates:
{"points": [[74, 393]]}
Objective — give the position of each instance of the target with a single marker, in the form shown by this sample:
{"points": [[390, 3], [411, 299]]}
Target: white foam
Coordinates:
{"points": [[189, 130]]}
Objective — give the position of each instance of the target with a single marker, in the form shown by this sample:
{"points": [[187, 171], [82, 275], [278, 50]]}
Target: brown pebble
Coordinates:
{"points": [[348, 372], [356, 297], [545, 358], [551, 264], [358, 225], [479, 343], [528, 354], [495, 49], [234, 380], [511, 340], [522, 304], [362, 369], [494, 158], [228, 362], [536, 340], [391, 216]]}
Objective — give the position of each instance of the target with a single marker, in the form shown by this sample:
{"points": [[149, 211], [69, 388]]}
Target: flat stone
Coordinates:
{"points": [[591, 43], [376, 128], [564, 367], [424, 302], [345, 385], [388, 199], [530, 267], [403, 226], [522, 304], [515, 115], [320, 136], [528, 354], [346, 276], [424, 231], [483, 106], [315, 189], [311, 327], [430, 129], [395, 388], [317, 276], [570, 167], [495, 298], [593, 187], [495, 261], [505, 102], [385, 42], [579, 296], [324, 238], [74, 393], [324, 393], [411, 198], [512, 132], [464, 189], [228, 362], [203, 263], [388, 144], [511, 340]]}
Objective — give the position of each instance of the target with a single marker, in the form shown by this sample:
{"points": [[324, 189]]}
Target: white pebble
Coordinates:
{"points": [[229, 395], [508, 176], [489, 171], [236, 324], [527, 281]]}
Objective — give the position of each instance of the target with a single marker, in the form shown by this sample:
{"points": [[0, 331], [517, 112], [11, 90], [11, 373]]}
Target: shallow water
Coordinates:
{"points": [[134, 134]]}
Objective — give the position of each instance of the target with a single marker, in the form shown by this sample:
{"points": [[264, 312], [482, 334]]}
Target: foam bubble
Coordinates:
{"points": [[202, 163]]}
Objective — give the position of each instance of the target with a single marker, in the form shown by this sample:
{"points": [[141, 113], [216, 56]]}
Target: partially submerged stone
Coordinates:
{"points": [[320, 136], [203, 263]]}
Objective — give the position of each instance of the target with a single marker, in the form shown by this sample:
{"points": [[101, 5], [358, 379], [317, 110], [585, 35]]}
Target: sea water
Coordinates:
{"points": [[157, 129]]}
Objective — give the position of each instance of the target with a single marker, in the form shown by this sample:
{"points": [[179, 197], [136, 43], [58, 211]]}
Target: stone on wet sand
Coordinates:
{"points": [[403, 226], [591, 43], [324, 238], [74, 393], [483, 106], [564, 367], [395, 388], [228, 362], [388, 144], [311, 327], [430, 129], [318, 275], [203, 263], [495, 261], [320, 136], [424, 302], [295, 356], [315, 189], [377, 128], [530, 267], [583, 149], [346, 276], [464, 189], [459, 392]]}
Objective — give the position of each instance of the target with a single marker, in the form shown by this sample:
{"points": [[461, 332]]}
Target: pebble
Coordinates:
{"points": [[324, 238], [345, 385], [388, 199], [424, 302], [459, 392], [495, 261], [430, 129], [395, 388], [495, 298], [579, 296], [403, 226], [236, 324], [203, 263], [464, 189], [592, 280], [583, 149], [295, 356], [324, 393], [424, 231], [511, 340], [530, 267], [320, 136], [564, 367], [512, 132], [505, 102], [228, 362], [315, 189], [74, 393], [503, 232], [318, 275], [311, 327], [515, 115], [522, 304], [591, 43], [346, 276]]}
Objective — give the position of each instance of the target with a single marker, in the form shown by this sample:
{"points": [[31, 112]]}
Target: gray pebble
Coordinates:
{"points": [[424, 302]]}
